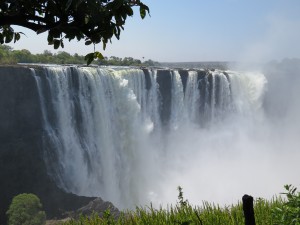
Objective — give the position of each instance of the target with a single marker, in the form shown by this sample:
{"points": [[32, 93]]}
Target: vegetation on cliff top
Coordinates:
{"points": [[10, 56]]}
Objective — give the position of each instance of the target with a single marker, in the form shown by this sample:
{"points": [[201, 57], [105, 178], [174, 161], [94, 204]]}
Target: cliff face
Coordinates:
{"points": [[22, 169], [20, 111]]}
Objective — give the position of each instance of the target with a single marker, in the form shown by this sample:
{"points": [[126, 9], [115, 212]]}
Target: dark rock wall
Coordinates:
{"points": [[147, 79], [164, 80], [20, 111], [184, 74]]}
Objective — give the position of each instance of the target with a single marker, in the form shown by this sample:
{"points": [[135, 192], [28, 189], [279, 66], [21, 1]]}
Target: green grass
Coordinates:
{"points": [[277, 211], [186, 214]]}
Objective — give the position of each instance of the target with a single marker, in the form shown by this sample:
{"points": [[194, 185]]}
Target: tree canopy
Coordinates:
{"points": [[10, 56], [26, 209], [94, 21]]}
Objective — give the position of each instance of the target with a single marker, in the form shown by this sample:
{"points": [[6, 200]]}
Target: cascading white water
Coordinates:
{"points": [[104, 135], [191, 99]]}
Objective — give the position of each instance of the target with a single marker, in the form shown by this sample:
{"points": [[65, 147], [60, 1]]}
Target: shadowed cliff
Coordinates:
{"points": [[22, 168]]}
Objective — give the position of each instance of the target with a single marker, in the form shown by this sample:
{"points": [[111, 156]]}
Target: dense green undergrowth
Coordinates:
{"points": [[277, 211], [184, 215]]}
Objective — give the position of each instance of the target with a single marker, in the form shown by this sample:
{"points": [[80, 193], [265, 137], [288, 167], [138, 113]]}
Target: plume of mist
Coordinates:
{"points": [[240, 155]]}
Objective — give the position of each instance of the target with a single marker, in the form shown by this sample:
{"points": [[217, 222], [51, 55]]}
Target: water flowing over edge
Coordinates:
{"points": [[129, 135]]}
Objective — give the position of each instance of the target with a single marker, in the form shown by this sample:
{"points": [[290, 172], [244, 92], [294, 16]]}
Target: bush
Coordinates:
{"points": [[26, 209], [289, 212]]}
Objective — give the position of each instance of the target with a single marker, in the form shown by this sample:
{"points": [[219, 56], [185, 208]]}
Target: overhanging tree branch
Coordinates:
{"points": [[94, 21]]}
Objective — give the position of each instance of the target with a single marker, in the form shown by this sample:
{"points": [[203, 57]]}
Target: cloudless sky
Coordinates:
{"points": [[199, 30]]}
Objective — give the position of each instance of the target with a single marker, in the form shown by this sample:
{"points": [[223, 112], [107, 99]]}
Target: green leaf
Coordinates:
{"points": [[1, 38], [17, 37], [129, 11], [117, 4], [62, 44], [56, 43], [86, 19], [88, 42], [50, 39], [98, 55], [41, 31], [55, 33], [89, 58], [117, 32], [9, 37], [143, 10], [79, 36]]}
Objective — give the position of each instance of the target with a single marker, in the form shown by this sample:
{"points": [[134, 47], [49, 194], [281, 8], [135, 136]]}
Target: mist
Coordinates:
{"points": [[248, 155], [255, 153]]}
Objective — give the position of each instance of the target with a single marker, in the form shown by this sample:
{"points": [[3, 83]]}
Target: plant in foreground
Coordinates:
{"points": [[289, 212], [267, 212], [26, 209]]}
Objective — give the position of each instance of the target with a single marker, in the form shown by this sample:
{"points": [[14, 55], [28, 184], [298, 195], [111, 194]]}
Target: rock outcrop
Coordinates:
{"points": [[97, 206]]}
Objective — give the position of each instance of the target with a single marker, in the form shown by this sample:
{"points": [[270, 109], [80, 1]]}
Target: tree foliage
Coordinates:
{"points": [[94, 21], [289, 212], [26, 209], [10, 56]]}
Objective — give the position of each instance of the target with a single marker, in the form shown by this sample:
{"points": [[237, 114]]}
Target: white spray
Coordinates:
{"points": [[109, 140]]}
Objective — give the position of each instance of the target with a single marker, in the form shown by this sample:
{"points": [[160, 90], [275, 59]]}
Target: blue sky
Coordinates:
{"points": [[200, 30]]}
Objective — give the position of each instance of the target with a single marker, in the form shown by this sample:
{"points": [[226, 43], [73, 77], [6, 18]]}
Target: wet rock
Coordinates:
{"points": [[97, 206]]}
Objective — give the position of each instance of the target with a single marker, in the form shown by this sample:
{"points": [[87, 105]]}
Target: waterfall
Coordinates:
{"points": [[105, 133]]}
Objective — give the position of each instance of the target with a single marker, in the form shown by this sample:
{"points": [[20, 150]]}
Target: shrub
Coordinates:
{"points": [[289, 212], [26, 209]]}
